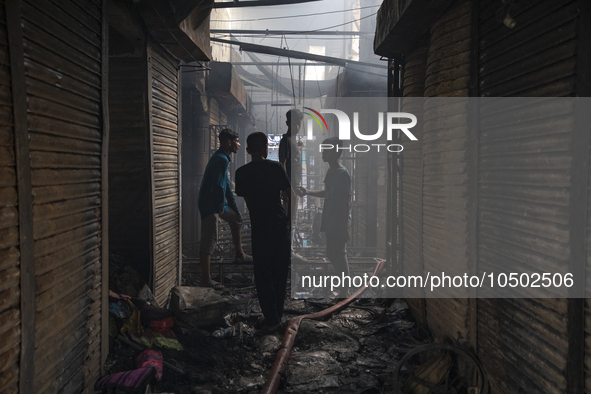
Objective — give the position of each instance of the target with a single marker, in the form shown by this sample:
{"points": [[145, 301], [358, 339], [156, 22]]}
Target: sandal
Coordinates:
{"points": [[246, 260], [215, 285], [270, 329]]}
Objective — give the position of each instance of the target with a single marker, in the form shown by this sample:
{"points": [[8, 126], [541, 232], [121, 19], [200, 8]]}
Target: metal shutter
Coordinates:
{"points": [[445, 175], [524, 342], [415, 68], [63, 50], [165, 145], [10, 330]]}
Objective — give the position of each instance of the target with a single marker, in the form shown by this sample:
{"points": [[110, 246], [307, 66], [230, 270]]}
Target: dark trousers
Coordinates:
{"points": [[271, 265], [336, 251]]}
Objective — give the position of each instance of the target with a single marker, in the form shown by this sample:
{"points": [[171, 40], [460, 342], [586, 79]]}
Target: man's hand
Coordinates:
{"points": [[301, 191], [239, 215]]}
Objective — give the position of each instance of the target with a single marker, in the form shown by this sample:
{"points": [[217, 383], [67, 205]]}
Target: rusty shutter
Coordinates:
{"points": [[445, 175], [63, 51], [360, 184], [414, 73], [524, 342], [165, 145], [10, 332]]}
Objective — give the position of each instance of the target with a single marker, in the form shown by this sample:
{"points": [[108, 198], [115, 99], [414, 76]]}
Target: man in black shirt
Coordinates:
{"points": [[336, 213], [290, 156], [261, 182]]}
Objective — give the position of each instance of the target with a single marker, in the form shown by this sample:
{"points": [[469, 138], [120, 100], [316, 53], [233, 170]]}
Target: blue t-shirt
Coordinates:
{"points": [[215, 192]]}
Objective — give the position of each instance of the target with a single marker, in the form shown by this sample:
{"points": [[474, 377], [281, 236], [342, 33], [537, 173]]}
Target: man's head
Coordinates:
{"points": [[257, 144], [331, 154], [229, 140], [294, 120]]}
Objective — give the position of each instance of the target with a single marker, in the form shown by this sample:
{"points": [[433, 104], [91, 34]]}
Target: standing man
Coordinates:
{"points": [[336, 213], [215, 201], [261, 183], [290, 156]]}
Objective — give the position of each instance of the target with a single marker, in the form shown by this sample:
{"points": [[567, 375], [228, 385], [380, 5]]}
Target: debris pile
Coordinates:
{"points": [[208, 342]]}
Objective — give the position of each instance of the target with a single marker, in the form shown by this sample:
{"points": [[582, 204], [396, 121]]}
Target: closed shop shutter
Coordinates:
{"points": [[62, 46], [360, 180], [165, 139], [10, 332], [412, 174], [445, 176], [524, 342]]}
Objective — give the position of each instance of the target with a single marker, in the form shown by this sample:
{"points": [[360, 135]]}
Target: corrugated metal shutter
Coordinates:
{"points": [[10, 332], [445, 175], [62, 44], [414, 73], [524, 342], [360, 184], [164, 70]]}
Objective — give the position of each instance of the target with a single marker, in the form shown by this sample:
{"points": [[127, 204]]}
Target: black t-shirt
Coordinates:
{"points": [[261, 183]]}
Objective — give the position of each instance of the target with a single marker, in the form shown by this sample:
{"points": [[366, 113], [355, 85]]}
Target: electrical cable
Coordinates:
{"points": [[273, 37], [321, 29], [292, 16]]}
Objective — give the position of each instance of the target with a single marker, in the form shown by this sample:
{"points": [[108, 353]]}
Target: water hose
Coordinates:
{"points": [[280, 365]]}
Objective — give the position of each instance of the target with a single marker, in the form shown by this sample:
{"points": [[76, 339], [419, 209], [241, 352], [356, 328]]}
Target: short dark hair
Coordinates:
{"points": [[336, 142], [297, 116], [256, 141], [227, 135]]}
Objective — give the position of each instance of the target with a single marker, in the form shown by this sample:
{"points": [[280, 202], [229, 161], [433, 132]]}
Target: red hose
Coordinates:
{"points": [[291, 331]]}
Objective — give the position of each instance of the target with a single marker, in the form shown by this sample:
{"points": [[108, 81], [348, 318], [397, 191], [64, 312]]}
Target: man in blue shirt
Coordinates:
{"points": [[216, 200]]}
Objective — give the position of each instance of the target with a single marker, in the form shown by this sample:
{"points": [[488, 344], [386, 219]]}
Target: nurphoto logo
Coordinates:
{"points": [[345, 129]]}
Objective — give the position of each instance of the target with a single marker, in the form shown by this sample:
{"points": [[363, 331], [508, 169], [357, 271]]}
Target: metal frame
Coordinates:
{"points": [[25, 199], [105, 188], [148, 69], [575, 363]]}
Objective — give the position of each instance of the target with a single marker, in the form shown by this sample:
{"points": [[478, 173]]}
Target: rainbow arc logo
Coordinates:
{"points": [[309, 126]]}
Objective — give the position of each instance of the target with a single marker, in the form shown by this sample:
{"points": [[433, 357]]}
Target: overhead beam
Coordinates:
{"points": [[295, 32], [270, 64], [283, 88], [259, 3], [297, 54]]}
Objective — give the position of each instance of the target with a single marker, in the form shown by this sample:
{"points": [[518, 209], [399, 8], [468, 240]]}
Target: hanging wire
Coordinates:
{"points": [[294, 16], [316, 30]]}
